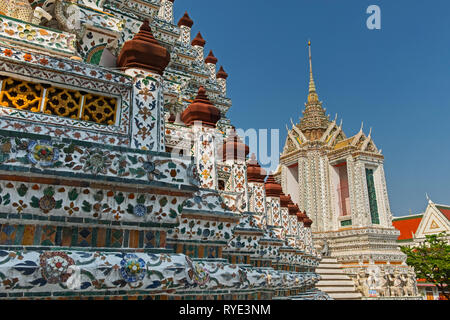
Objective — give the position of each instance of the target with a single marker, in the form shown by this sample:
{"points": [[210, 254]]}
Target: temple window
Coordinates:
{"points": [[342, 189], [292, 183], [62, 102], [372, 196], [346, 223]]}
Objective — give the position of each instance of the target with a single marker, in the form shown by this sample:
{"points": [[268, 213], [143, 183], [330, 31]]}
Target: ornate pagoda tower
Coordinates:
{"points": [[340, 182]]}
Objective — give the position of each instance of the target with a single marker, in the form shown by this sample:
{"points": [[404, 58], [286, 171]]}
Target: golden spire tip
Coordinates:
{"points": [[312, 96]]}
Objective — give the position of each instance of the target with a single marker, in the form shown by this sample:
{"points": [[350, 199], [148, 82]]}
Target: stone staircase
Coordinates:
{"points": [[335, 282]]}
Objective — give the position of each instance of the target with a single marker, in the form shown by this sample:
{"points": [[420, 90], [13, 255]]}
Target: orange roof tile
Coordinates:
{"points": [[407, 226], [445, 211]]}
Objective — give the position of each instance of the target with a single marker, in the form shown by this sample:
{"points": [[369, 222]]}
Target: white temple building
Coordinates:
{"points": [[340, 182]]}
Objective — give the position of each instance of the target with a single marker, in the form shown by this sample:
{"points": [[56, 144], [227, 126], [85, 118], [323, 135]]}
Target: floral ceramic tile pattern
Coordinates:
{"points": [[94, 199]]}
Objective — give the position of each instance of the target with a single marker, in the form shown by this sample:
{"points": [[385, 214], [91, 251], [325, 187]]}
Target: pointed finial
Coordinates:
{"points": [[221, 74], [186, 21], [211, 58], [370, 133], [292, 122], [199, 41], [312, 96]]}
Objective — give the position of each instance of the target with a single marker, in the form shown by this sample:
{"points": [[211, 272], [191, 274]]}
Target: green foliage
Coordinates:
{"points": [[173, 214], [119, 198], [431, 261], [73, 195], [87, 207], [22, 190]]}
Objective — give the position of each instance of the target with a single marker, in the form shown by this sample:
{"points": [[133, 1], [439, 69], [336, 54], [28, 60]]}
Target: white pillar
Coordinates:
{"points": [[147, 127], [166, 11], [211, 62]]}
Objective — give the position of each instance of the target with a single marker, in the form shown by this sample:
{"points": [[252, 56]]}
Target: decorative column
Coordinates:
{"points": [[308, 236], [301, 233], [199, 46], [292, 222], [234, 153], [166, 11], [303, 182], [202, 116], [145, 60], [211, 62], [255, 180], [222, 80], [352, 192], [185, 25], [290, 257], [273, 193], [362, 195], [284, 212], [387, 217], [300, 243]]}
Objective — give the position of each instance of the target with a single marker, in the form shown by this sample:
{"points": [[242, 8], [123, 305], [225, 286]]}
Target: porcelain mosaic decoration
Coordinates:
{"points": [[111, 181]]}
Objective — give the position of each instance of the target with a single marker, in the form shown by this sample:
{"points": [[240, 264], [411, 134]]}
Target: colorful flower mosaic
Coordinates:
{"points": [[197, 274], [54, 266], [132, 268], [49, 271], [20, 31], [42, 153], [96, 160], [60, 201]]}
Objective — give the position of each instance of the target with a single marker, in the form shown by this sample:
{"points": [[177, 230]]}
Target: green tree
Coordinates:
{"points": [[431, 261]]}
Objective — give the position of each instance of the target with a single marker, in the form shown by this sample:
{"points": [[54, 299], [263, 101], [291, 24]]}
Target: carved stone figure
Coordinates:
{"points": [[411, 284], [398, 284], [404, 284], [383, 284], [325, 249], [373, 278], [361, 283], [22, 10], [66, 16]]}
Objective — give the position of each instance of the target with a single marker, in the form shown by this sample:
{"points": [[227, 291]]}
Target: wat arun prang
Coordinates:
{"points": [[111, 186], [96, 99]]}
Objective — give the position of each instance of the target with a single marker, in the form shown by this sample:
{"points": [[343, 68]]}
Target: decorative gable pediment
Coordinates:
{"points": [[371, 147], [340, 138], [433, 222], [289, 146], [358, 142]]}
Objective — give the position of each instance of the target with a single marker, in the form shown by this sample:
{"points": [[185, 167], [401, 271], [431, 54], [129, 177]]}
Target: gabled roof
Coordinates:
{"points": [[435, 220], [432, 221], [407, 226], [445, 210]]}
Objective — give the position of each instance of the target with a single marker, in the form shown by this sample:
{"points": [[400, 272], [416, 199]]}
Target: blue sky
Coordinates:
{"points": [[396, 80]]}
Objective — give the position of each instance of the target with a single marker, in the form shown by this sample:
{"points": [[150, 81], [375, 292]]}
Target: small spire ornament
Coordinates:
{"points": [[312, 96]]}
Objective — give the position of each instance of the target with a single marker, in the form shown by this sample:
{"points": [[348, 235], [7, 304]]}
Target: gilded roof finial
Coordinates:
{"points": [[312, 96]]}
